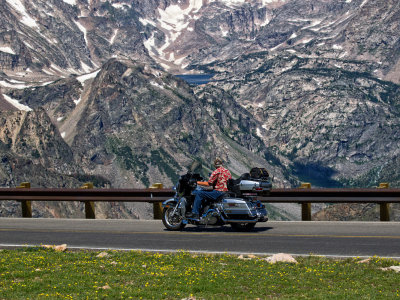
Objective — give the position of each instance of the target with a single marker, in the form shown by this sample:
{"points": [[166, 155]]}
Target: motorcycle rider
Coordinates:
{"points": [[218, 180]]}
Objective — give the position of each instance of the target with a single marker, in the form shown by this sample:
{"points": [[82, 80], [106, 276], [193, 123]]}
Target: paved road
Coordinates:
{"points": [[299, 238]]}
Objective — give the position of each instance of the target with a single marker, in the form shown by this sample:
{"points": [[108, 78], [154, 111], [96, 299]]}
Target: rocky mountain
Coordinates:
{"points": [[31, 149], [355, 212], [135, 125], [309, 89]]}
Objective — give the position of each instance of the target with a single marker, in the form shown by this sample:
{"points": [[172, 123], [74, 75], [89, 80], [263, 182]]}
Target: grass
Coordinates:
{"points": [[36, 273]]}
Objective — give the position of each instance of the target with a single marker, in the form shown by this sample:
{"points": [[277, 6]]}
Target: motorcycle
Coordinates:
{"points": [[238, 207]]}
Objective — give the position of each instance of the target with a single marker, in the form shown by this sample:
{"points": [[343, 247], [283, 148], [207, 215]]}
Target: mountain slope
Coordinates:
{"points": [[309, 89]]}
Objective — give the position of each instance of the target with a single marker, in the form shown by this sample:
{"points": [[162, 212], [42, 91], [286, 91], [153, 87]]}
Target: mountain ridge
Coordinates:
{"points": [[307, 89]]}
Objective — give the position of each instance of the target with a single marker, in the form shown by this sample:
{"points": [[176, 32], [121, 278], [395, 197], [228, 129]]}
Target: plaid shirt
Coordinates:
{"points": [[219, 179]]}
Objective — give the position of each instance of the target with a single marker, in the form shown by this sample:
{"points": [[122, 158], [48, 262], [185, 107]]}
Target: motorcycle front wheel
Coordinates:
{"points": [[243, 226], [170, 221]]}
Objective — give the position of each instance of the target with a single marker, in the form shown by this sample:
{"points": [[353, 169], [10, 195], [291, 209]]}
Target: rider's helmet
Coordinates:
{"points": [[217, 162]]}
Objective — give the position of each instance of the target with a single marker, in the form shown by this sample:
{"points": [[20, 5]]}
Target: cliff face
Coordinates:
{"points": [[31, 149], [133, 126], [66, 37], [53, 39], [139, 125], [324, 120]]}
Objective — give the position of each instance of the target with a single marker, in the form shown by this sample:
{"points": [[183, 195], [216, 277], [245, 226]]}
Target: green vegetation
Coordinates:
{"points": [[165, 163], [316, 173], [274, 214], [185, 137], [35, 153], [98, 181], [129, 160], [138, 163], [367, 180], [36, 273]]}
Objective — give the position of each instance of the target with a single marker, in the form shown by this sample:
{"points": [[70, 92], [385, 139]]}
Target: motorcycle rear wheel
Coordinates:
{"points": [[243, 226], [174, 223]]}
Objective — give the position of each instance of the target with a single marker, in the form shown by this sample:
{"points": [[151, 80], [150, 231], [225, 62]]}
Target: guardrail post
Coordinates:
{"points": [[384, 207], [157, 206], [89, 205], [26, 205], [305, 207]]}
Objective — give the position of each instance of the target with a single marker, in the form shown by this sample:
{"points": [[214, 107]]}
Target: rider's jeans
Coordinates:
{"points": [[200, 195]]}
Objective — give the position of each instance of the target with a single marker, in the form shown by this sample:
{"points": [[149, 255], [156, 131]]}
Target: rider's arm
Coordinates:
{"points": [[213, 178]]}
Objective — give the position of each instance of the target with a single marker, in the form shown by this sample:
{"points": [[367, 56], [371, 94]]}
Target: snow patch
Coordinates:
{"points": [[121, 5], [16, 81], [85, 67], [145, 22], [16, 103], [174, 17], [153, 83], [166, 67], [7, 84], [63, 134], [48, 72], [27, 44], [26, 19], [233, 3], [54, 67], [47, 83], [258, 132], [179, 61], [70, 2], [85, 77], [7, 50], [313, 23], [306, 41], [318, 81], [83, 29], [223, 32], [77, 101], [111, 41], [337, 47], [150, 43], [265, 2]]}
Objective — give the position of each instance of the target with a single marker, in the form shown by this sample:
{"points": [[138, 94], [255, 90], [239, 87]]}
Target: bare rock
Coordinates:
{"points": [[281, 257], [394, 268], [59, 248], [102, 254]]}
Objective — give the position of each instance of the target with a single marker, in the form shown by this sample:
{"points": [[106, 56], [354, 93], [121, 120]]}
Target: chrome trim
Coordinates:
{"points": [[166, 202], [238, 221]]}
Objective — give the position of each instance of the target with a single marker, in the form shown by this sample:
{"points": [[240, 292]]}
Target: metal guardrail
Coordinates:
{"points": [[156, 194]]}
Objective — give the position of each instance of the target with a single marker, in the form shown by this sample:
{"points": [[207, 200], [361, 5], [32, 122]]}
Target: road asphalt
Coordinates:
{"points": [[338, 239]]}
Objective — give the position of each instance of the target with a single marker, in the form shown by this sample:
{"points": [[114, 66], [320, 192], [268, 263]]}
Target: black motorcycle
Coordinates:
{"points": [[238, 207]]}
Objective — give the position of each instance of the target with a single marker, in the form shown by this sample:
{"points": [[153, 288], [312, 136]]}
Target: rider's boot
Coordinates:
{"points": [[193, 216]]}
